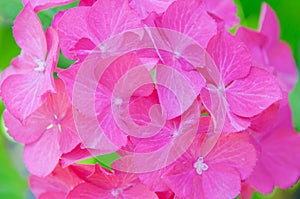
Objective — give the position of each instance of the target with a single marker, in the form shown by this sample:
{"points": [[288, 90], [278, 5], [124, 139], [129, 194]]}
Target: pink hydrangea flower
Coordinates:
{"points": [[216, 175], [268, 51], [26, 84], [244, 90], [47, 133]]}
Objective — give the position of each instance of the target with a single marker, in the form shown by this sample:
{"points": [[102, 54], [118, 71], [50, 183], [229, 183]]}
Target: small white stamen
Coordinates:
{"points": [[116, 192], [50, 126], [175, 133], [59, 127], [177, 54], [41, 65], [118, 101], [102, 48], [200, 166]]}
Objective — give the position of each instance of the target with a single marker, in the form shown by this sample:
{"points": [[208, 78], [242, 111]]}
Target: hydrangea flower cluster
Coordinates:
{"points": [[192, 110]]}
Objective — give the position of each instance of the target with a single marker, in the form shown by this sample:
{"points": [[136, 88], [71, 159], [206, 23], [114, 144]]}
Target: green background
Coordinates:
{"points": [[13, 175]]}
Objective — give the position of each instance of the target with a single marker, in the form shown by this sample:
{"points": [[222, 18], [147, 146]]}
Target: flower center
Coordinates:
{"points": [[200, 166], [41, 65], [116, 192]]}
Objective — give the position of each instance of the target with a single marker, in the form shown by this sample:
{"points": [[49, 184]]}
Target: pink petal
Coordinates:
{"points": [[102, 13], [263, 184], [75, 155], [234, 150], [68, 76], [250, 96], [269, 24], [33, 40], [175, 90], [190, 18], [139, 191], [42, 156], [28, 132], [23, 94], [221, 181], [255, 42], [39, 5], [92, 136], [52, 195], [279, 158], [89, 191], [145, 7], [230, 56], [281, 58], [180, 179], [68, 140], [226, 10], [72, 27]]}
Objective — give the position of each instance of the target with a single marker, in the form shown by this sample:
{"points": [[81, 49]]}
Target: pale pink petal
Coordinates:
{"points": [[230, 56], [39, 5], [42, 156], [191, 19], [104, 12], [250, 96], [33, 40]]}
